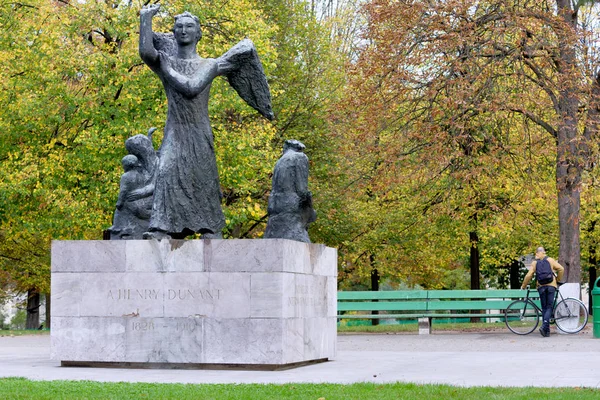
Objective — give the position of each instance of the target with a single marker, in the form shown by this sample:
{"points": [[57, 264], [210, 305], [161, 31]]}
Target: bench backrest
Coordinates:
{"points": [[429, 300]]}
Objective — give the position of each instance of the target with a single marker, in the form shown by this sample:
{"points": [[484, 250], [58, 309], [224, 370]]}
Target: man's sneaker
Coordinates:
{"points": [[544, 333]]}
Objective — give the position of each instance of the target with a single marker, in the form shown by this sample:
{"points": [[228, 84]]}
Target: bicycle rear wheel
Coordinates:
{"points": [[522, 317], [570, 315]]}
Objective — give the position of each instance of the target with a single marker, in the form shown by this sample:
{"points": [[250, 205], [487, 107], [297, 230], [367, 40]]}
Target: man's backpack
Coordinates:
{"points": [[543, 271]]}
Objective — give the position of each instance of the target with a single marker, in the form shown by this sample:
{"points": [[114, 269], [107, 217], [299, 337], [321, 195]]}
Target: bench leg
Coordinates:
{"points": [[424, 326]]}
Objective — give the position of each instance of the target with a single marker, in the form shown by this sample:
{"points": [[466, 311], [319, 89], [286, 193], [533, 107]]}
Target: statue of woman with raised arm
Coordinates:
{"points": [[187, 193]]}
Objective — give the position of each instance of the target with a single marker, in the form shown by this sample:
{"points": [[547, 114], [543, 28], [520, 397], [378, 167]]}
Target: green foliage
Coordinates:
{"points": [[400, 177], [18, 320], [3, 323], [307, 82], [74, 88]]}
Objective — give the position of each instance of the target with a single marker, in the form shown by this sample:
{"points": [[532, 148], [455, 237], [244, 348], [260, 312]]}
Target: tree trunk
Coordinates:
{"points": [[33, 310], [593, 261], [515, 281], [474, 261], [47, 311], [569, 251], [374, 285], [570, 145], [593, 277], [374, 280], [568, 182]]}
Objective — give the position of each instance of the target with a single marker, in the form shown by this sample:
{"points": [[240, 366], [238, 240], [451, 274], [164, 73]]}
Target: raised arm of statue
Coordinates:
{"points": [[188, 86], [146, 47]]}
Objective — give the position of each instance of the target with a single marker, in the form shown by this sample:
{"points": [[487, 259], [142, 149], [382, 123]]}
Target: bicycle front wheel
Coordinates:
{"points": [[522, 317], [570, 315]]}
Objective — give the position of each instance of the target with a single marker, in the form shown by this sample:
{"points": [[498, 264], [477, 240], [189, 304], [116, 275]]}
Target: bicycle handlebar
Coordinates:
{"points": [[559, 284]]}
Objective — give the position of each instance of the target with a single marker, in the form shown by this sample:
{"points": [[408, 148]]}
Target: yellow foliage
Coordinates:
{"points": [[73, 89]]}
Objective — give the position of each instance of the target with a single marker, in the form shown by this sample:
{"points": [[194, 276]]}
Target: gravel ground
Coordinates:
{"points": [[496, 341], [498, 358]]}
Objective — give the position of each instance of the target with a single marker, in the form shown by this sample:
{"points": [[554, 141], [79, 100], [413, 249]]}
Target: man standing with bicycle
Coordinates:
{"points": [[544, 268]]}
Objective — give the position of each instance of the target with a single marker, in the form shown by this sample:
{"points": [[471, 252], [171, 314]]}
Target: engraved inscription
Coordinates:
{"points": [[132, 294], [304, 297], [306, 301], [206, 295], [183, 326], [186, 326], [183, 294], [142, 326]]}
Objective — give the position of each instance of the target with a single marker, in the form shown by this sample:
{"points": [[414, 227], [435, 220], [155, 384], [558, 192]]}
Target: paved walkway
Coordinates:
{"points": [[466, 359]]}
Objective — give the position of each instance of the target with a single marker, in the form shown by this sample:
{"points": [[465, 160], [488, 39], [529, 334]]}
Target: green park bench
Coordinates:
{"points": [[424, 305]]}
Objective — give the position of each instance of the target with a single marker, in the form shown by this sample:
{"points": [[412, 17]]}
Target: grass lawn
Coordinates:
{"points": [[412, 328], [18, 388], [436, 326]]}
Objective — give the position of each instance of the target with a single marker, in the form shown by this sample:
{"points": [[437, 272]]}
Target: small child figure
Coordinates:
{"points": [[132, 179], [129, 221], [134, 206]]}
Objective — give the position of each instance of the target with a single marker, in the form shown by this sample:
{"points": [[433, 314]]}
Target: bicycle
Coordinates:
{"points": [[569, 314]]}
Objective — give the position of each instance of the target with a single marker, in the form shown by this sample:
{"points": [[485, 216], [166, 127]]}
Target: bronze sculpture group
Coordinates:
{"points": [[175, 192]]}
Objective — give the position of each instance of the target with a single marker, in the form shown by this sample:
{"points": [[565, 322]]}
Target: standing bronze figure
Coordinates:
{"points": [[187, 193]]}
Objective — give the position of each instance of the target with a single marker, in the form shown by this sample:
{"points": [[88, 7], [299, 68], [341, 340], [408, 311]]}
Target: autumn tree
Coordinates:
{"points": [[441, 79]]}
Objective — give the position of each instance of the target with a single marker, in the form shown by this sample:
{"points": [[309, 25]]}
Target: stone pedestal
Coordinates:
{"points": [[267, 303]]}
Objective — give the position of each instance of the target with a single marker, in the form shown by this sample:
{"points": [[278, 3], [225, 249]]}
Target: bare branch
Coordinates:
{"points": [[534, 118], [541, 82]]}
